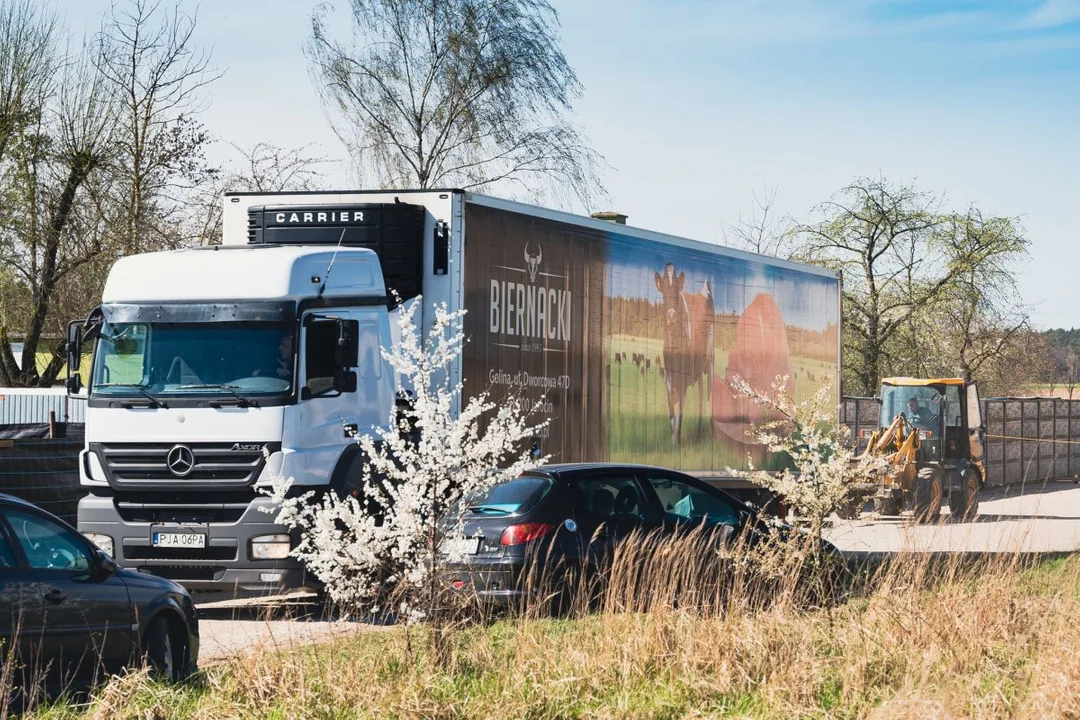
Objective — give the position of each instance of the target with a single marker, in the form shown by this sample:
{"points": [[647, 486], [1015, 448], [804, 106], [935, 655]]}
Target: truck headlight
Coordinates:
{"points": [[103, 541], [270, 547]]}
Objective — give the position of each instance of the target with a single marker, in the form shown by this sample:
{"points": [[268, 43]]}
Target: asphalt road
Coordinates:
{"points": [[1043, 519]]}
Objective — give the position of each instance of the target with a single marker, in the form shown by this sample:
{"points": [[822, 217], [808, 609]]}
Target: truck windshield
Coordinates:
{"points": [[239, 359]]}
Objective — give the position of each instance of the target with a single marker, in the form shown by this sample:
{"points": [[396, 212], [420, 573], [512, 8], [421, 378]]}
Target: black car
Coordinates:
{"points": [[68, 613], [579, 512]]}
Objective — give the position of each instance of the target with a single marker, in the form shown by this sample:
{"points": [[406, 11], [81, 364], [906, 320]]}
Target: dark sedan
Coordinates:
{"points": [[578, 513], [68, 614]]}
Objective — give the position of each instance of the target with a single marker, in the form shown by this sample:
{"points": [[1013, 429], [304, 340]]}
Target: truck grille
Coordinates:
{"points": [[211, 465]]}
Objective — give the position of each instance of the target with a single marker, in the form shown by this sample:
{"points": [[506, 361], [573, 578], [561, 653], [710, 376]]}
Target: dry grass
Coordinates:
{"points": [[921, 637]]}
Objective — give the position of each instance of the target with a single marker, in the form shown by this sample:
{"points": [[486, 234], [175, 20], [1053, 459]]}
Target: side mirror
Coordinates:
{"points": [[347, 350], [73, 345], [345, 382], [73, 384], [105, 564]]}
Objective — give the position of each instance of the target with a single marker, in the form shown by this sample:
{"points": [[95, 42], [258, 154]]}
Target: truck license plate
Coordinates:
{"points": [[179, 540]]}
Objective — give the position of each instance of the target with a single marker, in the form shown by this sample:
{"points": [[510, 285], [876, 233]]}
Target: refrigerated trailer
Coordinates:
{"points": [[629, 339]]}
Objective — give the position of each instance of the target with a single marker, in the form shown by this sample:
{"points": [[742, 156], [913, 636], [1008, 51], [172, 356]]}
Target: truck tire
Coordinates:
{"points": [[887, 506], [964, 501], [928, 495]]}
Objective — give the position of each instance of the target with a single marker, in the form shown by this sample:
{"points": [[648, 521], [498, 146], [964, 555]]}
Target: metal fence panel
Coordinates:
{"points": [[31, 406]]}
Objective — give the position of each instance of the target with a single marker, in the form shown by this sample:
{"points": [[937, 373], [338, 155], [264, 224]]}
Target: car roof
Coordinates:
{"points": [[4, 497], [569, 469]]}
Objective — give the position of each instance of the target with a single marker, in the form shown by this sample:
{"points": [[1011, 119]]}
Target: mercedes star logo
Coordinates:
{"points": [[180, 460]]}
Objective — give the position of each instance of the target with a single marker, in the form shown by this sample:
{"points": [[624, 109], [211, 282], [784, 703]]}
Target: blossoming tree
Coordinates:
{"points": [[823, 466], [420, 474]]}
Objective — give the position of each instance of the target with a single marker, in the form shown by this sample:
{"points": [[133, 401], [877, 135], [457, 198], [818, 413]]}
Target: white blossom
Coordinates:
{"points": [[824, 465], [421, 472]]}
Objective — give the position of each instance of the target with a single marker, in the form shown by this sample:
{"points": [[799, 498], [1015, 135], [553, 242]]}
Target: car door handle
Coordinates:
{"points": [[55, 597]]}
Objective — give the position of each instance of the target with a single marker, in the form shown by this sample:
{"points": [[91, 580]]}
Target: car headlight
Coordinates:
{"points": [[103, 541], [270, 547]]}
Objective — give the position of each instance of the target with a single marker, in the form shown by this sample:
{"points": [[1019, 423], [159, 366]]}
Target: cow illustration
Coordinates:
{"points": [[532, 261], [689, 347]]}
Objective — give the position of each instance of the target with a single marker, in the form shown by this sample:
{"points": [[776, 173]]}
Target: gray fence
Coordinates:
{"points": [[32, 406], [1028, 440], [860, 415]]}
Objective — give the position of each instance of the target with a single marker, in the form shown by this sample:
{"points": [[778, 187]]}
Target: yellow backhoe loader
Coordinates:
{"points": [[930, 438]]}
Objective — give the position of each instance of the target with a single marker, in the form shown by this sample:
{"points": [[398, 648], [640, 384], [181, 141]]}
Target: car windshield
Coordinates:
{"points": [[180, 359], [513, 497]]}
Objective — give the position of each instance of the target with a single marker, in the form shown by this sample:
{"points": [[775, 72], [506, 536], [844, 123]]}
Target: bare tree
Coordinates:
{"points": [[464, 93], [147, 58], [262, 168], [762, 230], [51, 163], [96, 147], [28, 63]]}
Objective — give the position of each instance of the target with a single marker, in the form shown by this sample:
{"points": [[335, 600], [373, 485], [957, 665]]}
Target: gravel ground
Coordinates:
{"points": [[229, 628], [1044, 519]]}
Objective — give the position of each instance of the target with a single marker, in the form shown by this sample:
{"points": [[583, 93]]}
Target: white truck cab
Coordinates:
{"points": [[214, 369]]}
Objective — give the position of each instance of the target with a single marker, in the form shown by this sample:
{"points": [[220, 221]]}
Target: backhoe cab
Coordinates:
{"points": [[931, 439]]}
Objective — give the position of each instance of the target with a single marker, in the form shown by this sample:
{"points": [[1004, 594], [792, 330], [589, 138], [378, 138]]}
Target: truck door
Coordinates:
{"points": [[329, 414]]}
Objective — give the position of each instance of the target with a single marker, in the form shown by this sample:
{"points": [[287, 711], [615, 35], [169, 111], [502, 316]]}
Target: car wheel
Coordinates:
{"points": [[163, 651]]}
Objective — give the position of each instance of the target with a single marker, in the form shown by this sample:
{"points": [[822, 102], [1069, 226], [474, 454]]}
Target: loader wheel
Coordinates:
{"points": [[928, 496], [850, 508], [890, 506], [964, 503]]}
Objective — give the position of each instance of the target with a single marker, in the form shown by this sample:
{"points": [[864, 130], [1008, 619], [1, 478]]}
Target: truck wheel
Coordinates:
{"points": [[928, 495], [887, 506], [964, 503]]}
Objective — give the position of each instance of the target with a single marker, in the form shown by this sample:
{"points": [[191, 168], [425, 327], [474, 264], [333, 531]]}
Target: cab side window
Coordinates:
{"points": [[320, 339]]}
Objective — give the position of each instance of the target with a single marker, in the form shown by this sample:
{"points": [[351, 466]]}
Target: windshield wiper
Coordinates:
{"points": [[154, 402], [231, 389]]}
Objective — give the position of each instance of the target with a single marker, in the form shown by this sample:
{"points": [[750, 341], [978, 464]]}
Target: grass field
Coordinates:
{"points": [[1000, 640]]}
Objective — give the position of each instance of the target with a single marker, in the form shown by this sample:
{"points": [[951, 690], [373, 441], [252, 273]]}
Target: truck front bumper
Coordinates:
{"points": [[224, 564]]}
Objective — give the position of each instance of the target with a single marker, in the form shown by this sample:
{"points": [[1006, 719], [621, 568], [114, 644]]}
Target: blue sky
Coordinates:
{"points": [[697, 104]]}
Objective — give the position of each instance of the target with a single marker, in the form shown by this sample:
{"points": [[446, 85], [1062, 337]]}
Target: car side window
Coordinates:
{"points": [[7, 557], [610, 496], [683, 501], [46, 544]]}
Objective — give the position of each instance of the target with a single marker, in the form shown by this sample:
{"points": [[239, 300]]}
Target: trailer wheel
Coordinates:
{"points": [[887, 506], [928, 495], [964, 502]]}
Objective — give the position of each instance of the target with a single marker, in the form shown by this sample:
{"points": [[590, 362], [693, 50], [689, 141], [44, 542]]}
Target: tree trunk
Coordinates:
{"points": [[79, 168]]}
